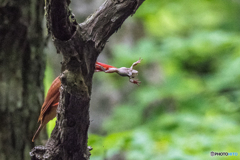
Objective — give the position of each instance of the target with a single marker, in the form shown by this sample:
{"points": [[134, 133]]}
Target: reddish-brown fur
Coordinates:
{"points": [[49, 107]]}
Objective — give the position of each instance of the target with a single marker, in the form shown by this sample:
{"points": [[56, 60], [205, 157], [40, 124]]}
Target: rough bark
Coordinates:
{"points": [[22, 65], [80, 46]]}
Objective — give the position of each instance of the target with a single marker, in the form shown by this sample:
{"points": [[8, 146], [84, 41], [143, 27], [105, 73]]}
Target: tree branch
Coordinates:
{"points": [[80, 46], [107, 19], [58, 14]]}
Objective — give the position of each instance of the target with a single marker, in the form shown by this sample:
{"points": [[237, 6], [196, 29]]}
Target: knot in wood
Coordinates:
{"points": [[38, 152]]}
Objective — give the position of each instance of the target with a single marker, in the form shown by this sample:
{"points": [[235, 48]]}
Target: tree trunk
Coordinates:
{"points": [[21, 75], [80, 46]]}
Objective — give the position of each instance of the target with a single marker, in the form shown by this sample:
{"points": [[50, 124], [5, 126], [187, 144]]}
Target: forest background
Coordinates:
{"points": [[188, 101]]}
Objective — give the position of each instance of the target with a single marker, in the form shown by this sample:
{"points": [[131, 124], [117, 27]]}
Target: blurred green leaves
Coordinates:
{"points": [[188, 101], [168, 18]]}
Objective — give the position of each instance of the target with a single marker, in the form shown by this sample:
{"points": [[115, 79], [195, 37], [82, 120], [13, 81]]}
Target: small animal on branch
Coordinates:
{"points": [[50, 104]]}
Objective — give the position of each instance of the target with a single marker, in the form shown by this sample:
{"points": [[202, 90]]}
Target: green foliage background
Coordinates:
{"points": [[188, 101]]}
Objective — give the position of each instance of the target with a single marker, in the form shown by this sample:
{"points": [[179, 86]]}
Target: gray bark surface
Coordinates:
{"points": [[22, 65]]}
